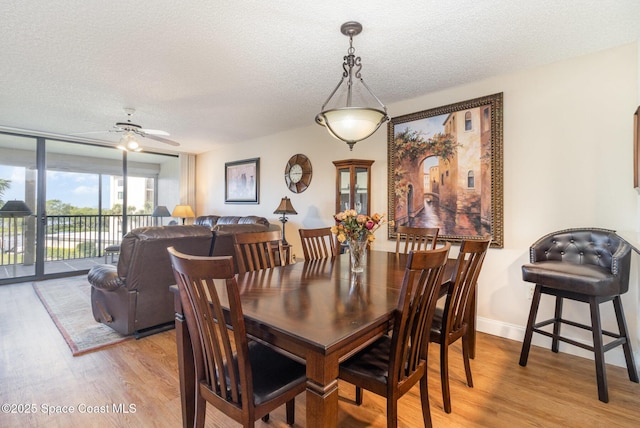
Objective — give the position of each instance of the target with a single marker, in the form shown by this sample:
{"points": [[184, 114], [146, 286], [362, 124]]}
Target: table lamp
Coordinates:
{"points": [[183, 212], [285, 208], [161, 211], [13, 210]]}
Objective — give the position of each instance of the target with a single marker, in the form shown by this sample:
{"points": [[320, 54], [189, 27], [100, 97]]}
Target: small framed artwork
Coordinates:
{"points": [[445, 170], [242, 181], [636, 149]]}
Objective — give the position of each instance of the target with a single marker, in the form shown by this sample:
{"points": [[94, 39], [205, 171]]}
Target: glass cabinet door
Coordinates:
{"points": [[344, 189], [353, 183], [361, 191]]}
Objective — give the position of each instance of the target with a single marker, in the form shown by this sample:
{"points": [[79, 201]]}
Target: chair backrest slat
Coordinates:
{"points": [[220, 354], [416, 238], [317, 243], [416, 307], [463, 282], [258, 250]]}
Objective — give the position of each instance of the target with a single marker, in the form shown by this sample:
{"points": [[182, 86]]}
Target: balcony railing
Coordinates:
{"points": [[67, 237]]}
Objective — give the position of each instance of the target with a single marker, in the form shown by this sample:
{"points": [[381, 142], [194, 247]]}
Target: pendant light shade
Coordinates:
{"points": [[351, 123]]}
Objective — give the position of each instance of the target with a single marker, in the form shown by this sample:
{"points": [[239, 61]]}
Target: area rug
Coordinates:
{"points": [[68, 301]]}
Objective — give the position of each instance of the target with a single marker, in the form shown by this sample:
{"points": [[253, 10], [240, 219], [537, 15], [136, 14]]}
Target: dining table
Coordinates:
{"points": [[317, 311]]}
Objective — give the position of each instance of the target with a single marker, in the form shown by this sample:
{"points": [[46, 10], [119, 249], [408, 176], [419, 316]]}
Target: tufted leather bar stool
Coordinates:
{"points": [[587, 265]]}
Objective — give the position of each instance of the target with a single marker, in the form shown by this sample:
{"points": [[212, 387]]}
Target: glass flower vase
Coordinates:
{"points": [[358, 253]]}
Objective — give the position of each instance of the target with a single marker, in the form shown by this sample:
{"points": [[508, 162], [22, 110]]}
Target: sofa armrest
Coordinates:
{"points": [[105, 277]]}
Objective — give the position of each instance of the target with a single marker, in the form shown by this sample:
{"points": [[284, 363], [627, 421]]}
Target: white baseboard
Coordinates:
{"points": [[516, 332]]}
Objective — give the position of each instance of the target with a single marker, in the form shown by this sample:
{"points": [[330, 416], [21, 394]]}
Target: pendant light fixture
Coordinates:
{"points": [[351, 123]]}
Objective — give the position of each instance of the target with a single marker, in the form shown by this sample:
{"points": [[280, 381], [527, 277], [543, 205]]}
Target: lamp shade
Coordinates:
{"points": [[285, 207], [161, 211], [15, 209], [183, 211], [352, 124]]}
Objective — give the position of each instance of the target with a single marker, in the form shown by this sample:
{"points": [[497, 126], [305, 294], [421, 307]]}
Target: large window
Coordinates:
{"points": [[85, 197]]}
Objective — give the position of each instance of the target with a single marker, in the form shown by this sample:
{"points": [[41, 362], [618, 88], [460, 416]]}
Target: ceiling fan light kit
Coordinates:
{"points": [[128, 143], [350, 123], [131, 132]]}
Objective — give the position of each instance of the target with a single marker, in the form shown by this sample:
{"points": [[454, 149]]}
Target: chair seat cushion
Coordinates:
{"points": [[578, 278], [372, 362], [273, 373]]}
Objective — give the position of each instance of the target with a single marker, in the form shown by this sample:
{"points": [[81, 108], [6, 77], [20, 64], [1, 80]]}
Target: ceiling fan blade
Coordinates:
{"points": [[128, 128], [162, 140], [155, 132], [90, 132]]}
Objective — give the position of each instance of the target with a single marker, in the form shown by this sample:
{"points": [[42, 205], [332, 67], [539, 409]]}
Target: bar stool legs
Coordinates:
{"points": [[626, 346], [598, 348], [533, 313]]}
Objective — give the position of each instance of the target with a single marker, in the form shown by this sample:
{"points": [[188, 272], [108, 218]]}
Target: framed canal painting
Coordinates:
{"points": [[445, 170]]}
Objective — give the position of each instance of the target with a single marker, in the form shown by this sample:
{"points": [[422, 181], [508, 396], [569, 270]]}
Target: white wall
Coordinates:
{"points": [[567, 163]]}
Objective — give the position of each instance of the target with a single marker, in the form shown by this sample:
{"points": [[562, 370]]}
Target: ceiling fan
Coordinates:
{"points": [[131, 130]]}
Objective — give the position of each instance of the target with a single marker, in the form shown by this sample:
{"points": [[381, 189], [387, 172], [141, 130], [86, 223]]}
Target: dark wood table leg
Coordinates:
{"points": [[186, 366], [322, 393]]}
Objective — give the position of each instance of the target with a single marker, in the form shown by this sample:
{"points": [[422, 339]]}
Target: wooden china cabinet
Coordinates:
{"points": [[353, 185]]}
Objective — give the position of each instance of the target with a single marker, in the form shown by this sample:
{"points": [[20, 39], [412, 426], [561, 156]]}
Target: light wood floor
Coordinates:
{"points": [[37, 368]]}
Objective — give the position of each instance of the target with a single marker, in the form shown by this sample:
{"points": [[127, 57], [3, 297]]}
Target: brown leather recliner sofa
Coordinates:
{"points": [[224, 227], [133, 297]]}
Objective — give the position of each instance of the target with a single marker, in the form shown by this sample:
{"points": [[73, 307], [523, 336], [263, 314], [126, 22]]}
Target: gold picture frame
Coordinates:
{"points": [[445, 170]]}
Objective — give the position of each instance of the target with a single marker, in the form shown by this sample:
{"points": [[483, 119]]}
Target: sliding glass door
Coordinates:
{"points": [[18, 196], [81, 199]]}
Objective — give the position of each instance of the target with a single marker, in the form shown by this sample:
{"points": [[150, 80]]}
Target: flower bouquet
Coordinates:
{"points": [[357, 230]]}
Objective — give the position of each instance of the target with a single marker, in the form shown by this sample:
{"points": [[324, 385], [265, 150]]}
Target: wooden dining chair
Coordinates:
{"points": [[318, 243], [416, 238], [244, 379], [391, 365], [453, 321], [258, 250]]}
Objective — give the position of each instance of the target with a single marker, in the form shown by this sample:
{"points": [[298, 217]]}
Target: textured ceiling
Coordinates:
{"points": [[219, 72]]}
